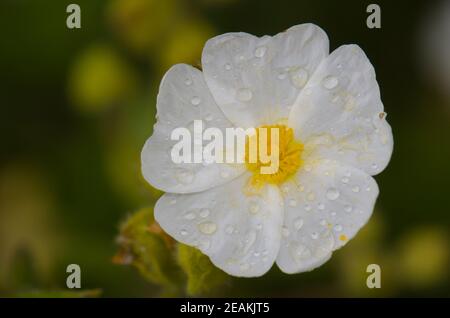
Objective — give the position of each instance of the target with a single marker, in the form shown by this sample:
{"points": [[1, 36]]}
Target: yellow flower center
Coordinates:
{"points": [[272, 143]]}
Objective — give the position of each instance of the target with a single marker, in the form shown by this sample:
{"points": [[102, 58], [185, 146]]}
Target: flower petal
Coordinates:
{"points": [[240, 232], [340, 115], [183, 97], [325, 206], [256, 80]]}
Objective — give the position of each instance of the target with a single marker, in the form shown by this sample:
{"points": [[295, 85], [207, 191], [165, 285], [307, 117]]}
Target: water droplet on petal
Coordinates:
{"points": [[208, 117], [204, 213], [307, 207], [195, 101], [321, 206], [227, 66], [189, 216], [314, 235], [338, 227], [185, 176], [244, 94], [244, 267], [229, 229], [348, 208], [253, 208], [207, 227], [292, 202], [188, 82], [330, 82], [285, 231], [298, 223], [311, 196], [184, 232], [355, 189], [260, 51], [299, 77], [345, 180], [332, 194]]}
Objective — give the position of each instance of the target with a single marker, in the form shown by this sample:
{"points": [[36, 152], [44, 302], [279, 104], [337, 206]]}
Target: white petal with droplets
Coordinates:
{"points": [[340, 115], [240, 233], [317, 227], [183, 97], [256, 80]]}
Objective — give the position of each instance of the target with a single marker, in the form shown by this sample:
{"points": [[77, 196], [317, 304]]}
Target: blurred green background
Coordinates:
{"points": [[77, 106]]}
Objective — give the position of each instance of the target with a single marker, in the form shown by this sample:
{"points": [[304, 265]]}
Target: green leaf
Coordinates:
{"points": [[202, 276], [147, 247]]}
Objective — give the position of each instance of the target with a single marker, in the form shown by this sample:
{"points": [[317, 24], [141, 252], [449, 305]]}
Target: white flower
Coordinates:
{"points": [[332, 120]]}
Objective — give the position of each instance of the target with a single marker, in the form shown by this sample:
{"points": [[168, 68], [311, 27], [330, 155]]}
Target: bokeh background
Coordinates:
{"points": [[77, 106]]}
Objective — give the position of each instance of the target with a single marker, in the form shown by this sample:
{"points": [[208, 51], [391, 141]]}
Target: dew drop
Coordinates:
{"points": [[244, 94], [209, 117], [227, 66], [292, 202], [338, 227], [330, 82], [281, 75], [188, 82], [355, 189], [253, 208], [189, 216], [302, 252], [285, 188], [298, 223], [307, 207], [204, 213], [345, 180], [332, 194], [207, 227], [260, 51], [184, 232], [314, 235], [285, 231], [348, 208], [229, 229], [185, 176], [196, 101], [321, 206], [299, 77]]}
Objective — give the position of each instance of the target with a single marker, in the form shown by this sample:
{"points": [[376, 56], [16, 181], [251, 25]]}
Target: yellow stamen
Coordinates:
{"points": [[289, 158]]}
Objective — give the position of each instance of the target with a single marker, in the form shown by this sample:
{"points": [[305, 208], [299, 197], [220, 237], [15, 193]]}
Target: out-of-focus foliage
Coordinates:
{"points": [[28, 233], [144, 245], [423, 257], [163, 261], [142, 24], [100, 78]]}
